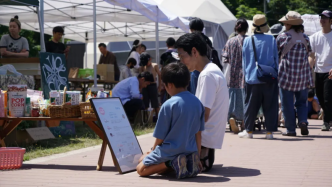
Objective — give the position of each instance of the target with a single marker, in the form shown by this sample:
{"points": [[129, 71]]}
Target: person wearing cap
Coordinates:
{"points": [[276, 29], [150, 93], [321, 58], [256, 92], [232, 54], [294, 75], [135, 53], [55, 45], [13, 45]]}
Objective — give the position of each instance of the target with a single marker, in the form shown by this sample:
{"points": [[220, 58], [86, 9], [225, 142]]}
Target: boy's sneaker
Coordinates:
{"points": [[245, 134], [325, 127], [179, 164], [193, 164], [233, 125], [304, 129], [269, 135]]}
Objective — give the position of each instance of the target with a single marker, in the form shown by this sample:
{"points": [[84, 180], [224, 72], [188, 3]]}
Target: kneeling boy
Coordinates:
{"points": [[178, 129]]}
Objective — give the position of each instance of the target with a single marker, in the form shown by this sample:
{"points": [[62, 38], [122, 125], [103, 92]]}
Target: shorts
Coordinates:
{"points": [[150, 94]]}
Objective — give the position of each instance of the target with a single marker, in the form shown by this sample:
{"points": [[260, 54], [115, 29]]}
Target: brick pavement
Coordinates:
{"points": [[284, 161]]}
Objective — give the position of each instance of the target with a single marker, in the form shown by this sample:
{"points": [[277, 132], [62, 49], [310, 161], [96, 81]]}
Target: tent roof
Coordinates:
{"points": [[20, 2], [114, 23], [209, 10]]}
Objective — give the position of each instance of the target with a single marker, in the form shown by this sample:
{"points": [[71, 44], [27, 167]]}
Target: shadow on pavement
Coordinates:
{"points": [[67, 167], [217, 174]]}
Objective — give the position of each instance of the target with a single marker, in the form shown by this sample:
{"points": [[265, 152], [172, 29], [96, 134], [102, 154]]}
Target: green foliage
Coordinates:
{"points": [[276, 9], [244, 11]]}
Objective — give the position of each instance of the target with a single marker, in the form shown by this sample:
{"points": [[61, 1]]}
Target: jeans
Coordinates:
{"points": [[287, 107], [257, 95], [324, 94]]}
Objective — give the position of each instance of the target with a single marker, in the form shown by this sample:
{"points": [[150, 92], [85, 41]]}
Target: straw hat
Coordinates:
{"points": [[292, 18], [260, 24]]}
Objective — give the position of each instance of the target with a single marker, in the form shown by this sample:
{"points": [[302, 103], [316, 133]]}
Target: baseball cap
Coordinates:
{"points": [[326, 13]]}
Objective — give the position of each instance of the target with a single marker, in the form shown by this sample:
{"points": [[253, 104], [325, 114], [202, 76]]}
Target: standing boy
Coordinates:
{"points": [[55, 46], [321, 57], [211, 90], [178, 129]]}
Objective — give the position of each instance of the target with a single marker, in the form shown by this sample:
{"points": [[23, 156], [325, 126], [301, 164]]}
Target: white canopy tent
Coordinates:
{"points": [[117, 20], [218, 20]]}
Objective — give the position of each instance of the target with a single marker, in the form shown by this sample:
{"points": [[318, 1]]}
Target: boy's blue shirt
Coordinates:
{"points": [[180, 118]]}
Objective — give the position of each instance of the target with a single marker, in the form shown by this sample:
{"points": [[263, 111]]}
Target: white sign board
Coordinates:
{"points": [[40, 133], [121, 138]]}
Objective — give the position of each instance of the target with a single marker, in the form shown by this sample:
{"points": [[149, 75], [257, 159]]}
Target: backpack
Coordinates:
{"points": [[167, 58]]}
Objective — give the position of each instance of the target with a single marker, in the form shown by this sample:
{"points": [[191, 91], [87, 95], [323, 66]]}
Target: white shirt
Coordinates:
{"points": [[321, 45], [136, 56], [125, 72], [212, 91], [127, 89]]}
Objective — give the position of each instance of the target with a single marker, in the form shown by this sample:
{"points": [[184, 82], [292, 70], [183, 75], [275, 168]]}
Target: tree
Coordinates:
{"points": [[246, 12]]}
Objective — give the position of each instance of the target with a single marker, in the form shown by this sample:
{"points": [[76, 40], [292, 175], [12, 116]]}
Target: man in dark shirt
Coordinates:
{"points": [[109, 58], [55, 46]]}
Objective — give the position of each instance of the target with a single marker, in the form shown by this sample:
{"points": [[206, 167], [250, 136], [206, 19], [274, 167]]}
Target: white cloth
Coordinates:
{"points": [[321, 45], [125, 72], [136, 56], [212, 91]]}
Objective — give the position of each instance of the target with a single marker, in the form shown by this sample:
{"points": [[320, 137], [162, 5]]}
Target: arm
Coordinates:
{"points": [[156, 67], [157, 142], [5, 53], [312, 59], [207, 114], [134, 90]]}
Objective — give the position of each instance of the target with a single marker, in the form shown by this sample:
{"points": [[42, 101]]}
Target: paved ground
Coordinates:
{"points": [[284, 161]]}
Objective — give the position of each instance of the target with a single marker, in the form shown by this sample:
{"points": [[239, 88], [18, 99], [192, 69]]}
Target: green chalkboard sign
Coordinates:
{"points": [[53, 71]]}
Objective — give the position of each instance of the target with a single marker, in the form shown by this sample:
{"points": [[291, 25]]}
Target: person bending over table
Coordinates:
{"points": [[129, 91], [12, 45]]}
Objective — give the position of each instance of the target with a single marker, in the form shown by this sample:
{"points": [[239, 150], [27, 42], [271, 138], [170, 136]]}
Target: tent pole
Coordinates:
{"points": [[40, 14], [94, 44], [86, 50], [157, 37]]}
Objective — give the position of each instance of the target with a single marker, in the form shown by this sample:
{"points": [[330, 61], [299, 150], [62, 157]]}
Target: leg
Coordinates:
{"points": [[132, 106], [146, 97], [207, 158], [320, 90], [252, 103], [153, 94], [144, 171], [271, 107], [301, 105], [328, 99], [287, 106]]}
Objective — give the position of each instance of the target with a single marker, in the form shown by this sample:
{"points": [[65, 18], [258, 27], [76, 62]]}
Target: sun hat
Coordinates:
{"points": [[292, 18], [260, 24]]}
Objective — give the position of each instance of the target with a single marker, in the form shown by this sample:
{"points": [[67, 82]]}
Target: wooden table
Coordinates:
{"points": [[8, 124]]}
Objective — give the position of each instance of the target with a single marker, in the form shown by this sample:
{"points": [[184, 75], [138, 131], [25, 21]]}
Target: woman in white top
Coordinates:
{"points": [[135, 53], [13, 45]]}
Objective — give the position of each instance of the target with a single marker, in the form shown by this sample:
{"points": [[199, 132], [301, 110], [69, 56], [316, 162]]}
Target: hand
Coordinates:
{"points": [[330, 74], [67, 49], [200, 167]]}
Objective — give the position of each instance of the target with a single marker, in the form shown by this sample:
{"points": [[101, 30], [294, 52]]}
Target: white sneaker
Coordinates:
{"points": [[245, 134], [269, 136]]}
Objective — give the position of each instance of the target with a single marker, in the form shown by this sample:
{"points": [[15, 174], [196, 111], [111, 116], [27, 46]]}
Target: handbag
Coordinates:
{"points": [[265, 73]]}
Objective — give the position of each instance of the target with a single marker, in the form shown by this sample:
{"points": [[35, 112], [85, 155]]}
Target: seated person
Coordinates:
{"points": [[178, 129], [129, 91], [150, 93], [313, 105], [12, 45], [126, 70]]}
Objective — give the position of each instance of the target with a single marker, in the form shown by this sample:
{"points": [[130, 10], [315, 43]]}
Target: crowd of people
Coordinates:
{"points": [[272, 73]]}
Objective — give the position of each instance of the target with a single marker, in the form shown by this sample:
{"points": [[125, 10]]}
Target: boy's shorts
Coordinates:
{"points": [[150, 94]]}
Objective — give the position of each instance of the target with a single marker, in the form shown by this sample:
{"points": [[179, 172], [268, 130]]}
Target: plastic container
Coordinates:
{"points": [[11, 157]]}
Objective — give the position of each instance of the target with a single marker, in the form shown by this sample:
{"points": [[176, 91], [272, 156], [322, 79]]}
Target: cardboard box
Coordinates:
{"points": [[106, 71], [73, 73]]}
